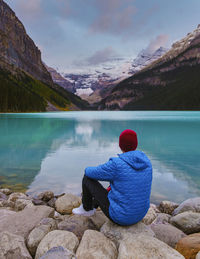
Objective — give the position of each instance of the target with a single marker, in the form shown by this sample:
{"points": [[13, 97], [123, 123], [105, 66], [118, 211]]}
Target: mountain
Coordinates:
{"points": [[25, 83], [171, 82], [95, 84]]}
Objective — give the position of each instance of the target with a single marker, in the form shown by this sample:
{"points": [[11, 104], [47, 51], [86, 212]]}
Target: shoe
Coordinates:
{"points": [[81, 211]]}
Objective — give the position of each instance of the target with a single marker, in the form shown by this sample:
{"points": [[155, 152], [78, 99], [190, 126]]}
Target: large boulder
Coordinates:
{"points": [[117, 233], [56, 238], [189, 246], [58, 253], [167, 207], [22, 222], [188, 222], [167, 233], [150, 216], [66, 203], [77, 224], [13, 247], [17, 195], [144, 246], [39, 232], [192, 204], [94, 245]]}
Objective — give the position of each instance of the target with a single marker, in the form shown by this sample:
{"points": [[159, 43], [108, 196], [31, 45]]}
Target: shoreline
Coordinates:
{"points": [[37, 224]]}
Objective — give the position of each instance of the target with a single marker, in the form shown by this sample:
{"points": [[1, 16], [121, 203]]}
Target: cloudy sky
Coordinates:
{"points": [[76, 33]]}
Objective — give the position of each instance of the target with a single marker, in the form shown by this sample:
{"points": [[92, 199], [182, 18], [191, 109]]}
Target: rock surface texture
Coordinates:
{"points": [[189, 246], [94, 245], [56, 238]]}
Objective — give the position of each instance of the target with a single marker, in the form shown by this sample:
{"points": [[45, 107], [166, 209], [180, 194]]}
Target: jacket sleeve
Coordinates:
{"points": [[104, 172]]}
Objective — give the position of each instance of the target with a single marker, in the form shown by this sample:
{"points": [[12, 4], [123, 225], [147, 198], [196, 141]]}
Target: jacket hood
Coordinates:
{"points": [[136, 159]]}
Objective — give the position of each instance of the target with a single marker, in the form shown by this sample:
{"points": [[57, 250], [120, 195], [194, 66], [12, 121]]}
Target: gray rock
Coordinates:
{"points": [[99, 219], [6, 203], [77, 224], [39, 232], [17, 195], [20, 204], [162, 218], [146, 247], [38, 202], [66, 203], [150, 216], [188, 222], [13, 247], [95, 245], [192, 204], [198, 255], [52, 203], [45, 196], [117, 233], [56, 238], [6, 191], [3, 196], [22, 222], [58, 253], [167, 207], [167, 233]]}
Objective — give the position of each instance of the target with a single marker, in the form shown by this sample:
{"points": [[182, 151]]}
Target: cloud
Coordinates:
{"points": [[101, 56], [160, 40], [113, 16]]}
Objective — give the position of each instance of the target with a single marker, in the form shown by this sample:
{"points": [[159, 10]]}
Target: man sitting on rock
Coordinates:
{"points": [[127, 200]]}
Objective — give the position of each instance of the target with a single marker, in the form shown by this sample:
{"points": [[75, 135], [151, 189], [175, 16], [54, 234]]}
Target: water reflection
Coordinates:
{"points": [[50, 151]]}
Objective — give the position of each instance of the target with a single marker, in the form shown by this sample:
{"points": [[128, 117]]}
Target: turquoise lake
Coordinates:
{"points": [[40, 151]]}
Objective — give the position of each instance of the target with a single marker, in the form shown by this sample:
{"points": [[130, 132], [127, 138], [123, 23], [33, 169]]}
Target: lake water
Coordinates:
{"points": [[40, 151]]}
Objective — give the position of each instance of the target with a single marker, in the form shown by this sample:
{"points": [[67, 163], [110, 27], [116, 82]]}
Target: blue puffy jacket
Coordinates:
{"points": [[130, 177]]}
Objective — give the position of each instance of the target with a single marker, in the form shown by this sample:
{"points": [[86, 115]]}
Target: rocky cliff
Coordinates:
{"points": [[171, 82], [17, 48]]}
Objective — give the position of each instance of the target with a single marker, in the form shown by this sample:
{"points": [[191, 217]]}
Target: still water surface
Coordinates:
{"points": [[42, 151]]}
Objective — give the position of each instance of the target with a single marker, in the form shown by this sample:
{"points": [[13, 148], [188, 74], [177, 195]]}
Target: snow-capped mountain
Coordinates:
{"points": [[92, 83]]}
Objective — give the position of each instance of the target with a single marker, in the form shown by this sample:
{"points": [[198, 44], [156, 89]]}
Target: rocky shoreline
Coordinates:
{"points": [[44, 227]]}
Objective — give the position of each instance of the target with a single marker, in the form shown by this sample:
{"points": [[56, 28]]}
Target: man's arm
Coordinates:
{"points": [[104, 172]]}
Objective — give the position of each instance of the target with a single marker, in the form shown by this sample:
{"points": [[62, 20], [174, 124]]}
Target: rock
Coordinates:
{"points": [[38, 202], [6, 203], [167, 207], [144, 246], [39, 232], [52, 203], [99, 218], [192, 204], [153, 206], [188, 222], [17, 195], [198, 256], [45, 196], [58, 253], [150, 216], [162, 218], [13, 247], [167, 233], [6, 191], [117, 233], [5, 213], [189, 246], [66, 203], [20, 204], [95, 245], [3, 196], [56, 238], [22, 222], [77, 224]]}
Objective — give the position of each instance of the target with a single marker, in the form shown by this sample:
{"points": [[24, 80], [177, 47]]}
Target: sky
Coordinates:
{"points": [[73, 34]]}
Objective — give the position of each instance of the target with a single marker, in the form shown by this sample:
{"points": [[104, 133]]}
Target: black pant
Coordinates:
{"points": [[93, 195]]}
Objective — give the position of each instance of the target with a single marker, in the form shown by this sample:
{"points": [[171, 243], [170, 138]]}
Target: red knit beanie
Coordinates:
{"points": [[128, 140]]}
